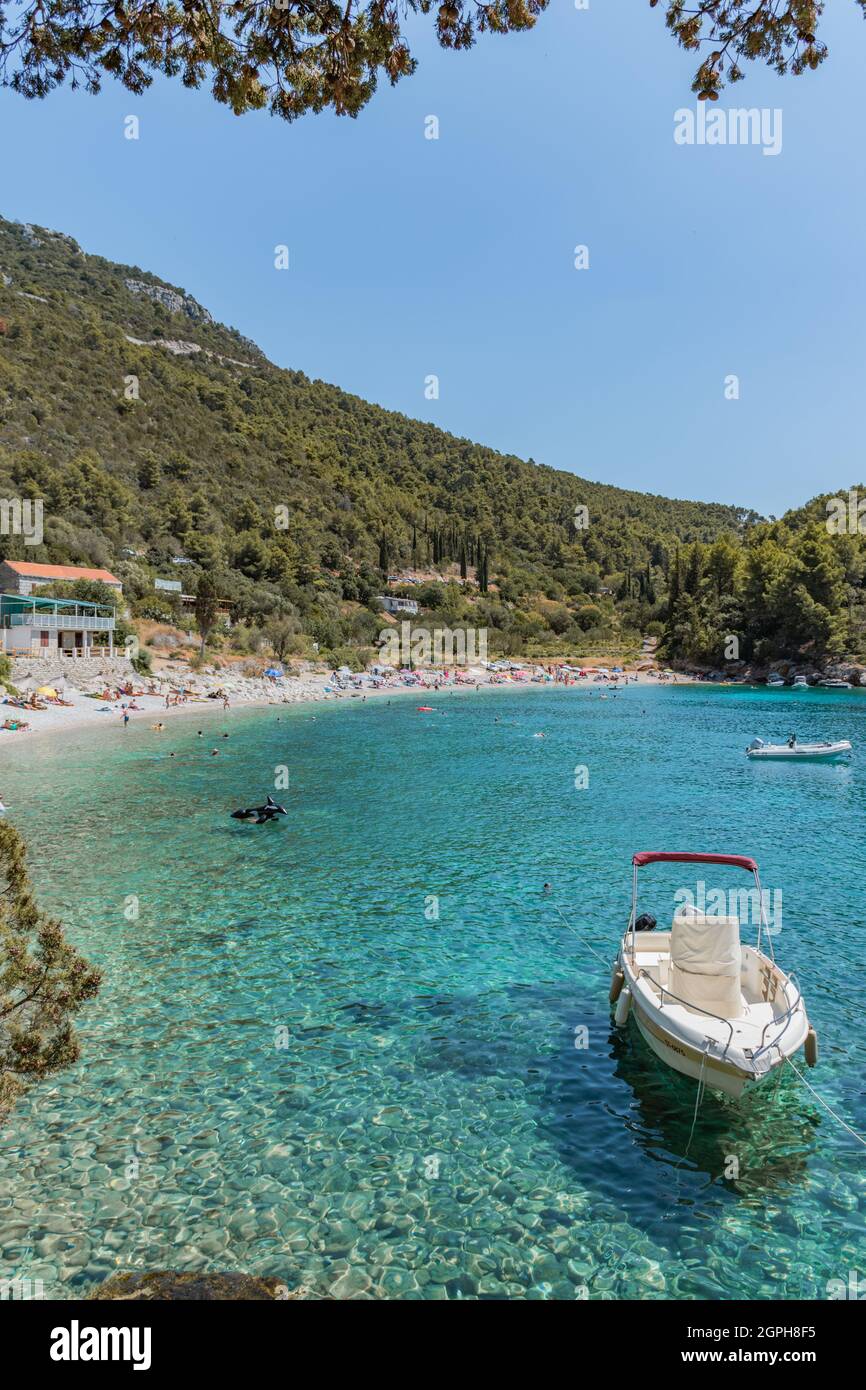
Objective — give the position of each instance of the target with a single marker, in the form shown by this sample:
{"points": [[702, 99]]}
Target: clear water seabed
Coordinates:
{"points": [[296, 1067]]}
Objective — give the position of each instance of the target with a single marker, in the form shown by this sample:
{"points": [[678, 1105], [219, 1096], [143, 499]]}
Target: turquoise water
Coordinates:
{"points": [[294, 1067]]}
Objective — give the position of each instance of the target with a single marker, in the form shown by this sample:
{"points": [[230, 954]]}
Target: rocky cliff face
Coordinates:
{"points": [[172, 300]]}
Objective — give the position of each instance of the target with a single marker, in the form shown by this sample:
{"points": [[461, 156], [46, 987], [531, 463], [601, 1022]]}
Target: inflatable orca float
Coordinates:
{"points": [[260, 815]]}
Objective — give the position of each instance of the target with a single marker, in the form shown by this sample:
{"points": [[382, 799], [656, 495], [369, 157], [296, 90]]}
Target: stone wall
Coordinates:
{"points": [[65, 670]]}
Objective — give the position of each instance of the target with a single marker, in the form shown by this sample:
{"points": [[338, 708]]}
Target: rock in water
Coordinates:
{"points": [[166, 1284]]}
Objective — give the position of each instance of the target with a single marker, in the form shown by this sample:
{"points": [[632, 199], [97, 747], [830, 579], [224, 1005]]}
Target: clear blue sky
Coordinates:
{"points": [[455, 257]]}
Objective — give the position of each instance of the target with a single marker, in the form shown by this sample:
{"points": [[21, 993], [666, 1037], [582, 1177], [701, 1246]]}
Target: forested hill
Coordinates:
{"points": [[154, 434]]}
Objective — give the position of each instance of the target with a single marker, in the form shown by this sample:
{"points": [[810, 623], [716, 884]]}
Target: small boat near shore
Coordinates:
{"points": [[775, 683], [835, 685], [799, 752], [712, 1008]]}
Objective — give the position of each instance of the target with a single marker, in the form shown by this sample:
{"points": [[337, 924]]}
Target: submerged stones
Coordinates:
{"points": [[171, 1285]]}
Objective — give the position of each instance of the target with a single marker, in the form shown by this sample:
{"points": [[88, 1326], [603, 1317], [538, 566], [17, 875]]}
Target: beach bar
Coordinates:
{"points": [[39, 627]]}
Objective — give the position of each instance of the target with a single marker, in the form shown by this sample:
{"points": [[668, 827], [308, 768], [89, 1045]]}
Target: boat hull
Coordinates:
{"points": [[729, 1069], [806, 753], [688, 1060]]}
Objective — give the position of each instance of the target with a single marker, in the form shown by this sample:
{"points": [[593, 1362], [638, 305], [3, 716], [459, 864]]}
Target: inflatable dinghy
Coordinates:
{"points": [[826, 751]]}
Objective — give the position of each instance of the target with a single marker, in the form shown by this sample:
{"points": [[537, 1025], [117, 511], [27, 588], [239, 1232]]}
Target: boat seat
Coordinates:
{"points": [[706, 963]]}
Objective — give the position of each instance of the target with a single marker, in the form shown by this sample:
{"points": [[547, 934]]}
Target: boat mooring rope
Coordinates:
{"points": [[605, 963], [827, 1107], [698, 1098]]}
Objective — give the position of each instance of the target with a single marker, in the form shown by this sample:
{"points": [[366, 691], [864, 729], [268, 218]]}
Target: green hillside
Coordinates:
{"points": [[300, 499]]}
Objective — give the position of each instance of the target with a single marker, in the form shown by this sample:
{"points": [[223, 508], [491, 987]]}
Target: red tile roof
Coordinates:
{"points": [[32, 571]]}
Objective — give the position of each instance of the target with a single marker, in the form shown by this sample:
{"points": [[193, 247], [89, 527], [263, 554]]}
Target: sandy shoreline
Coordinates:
{"points": [[85, 712]]}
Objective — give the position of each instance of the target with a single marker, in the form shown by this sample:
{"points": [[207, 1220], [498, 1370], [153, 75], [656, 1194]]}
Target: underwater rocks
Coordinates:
{"points": [[169, 1285]]}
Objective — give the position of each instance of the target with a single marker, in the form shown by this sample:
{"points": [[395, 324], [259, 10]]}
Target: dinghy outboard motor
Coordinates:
{"points": [[646, 922], [756, 743]]}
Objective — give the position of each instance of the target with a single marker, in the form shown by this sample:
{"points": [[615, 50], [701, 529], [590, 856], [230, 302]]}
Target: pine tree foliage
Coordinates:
{"points": [[44, 982], [301, 501]]}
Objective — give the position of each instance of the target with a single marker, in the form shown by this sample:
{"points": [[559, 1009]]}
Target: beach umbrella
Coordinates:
{"points": [[273, 671], [47, 690]]}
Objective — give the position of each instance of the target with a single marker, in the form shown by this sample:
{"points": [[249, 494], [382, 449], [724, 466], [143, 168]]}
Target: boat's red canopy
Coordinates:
{"points": [[739, 861]]}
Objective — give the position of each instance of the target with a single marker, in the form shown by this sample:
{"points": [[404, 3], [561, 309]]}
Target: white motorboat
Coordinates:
{"points": [[775, 683], [714, 1009], [799, 751], [835, 685], [800, 683]]}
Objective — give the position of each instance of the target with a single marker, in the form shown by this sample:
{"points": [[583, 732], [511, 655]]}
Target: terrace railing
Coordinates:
{"points": [[69, 622]]}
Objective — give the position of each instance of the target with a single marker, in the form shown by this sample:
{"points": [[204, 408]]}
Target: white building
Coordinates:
{"points": [[392, 604], [49, 627], [22, 577]]}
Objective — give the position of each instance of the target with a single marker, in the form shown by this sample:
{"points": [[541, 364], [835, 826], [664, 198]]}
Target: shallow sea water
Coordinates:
{"points": [[296, 1067]]}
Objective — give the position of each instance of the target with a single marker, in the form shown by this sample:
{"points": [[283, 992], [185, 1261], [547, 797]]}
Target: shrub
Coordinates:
{"points": [[142, 663]]}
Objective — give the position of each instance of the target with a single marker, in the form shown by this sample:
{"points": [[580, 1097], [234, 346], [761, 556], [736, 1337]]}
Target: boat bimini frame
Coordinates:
{"points": [[738, 861]]}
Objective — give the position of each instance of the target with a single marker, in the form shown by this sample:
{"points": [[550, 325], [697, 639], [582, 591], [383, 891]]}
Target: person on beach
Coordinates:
{"points": [[225, 701], [125, 717]]}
